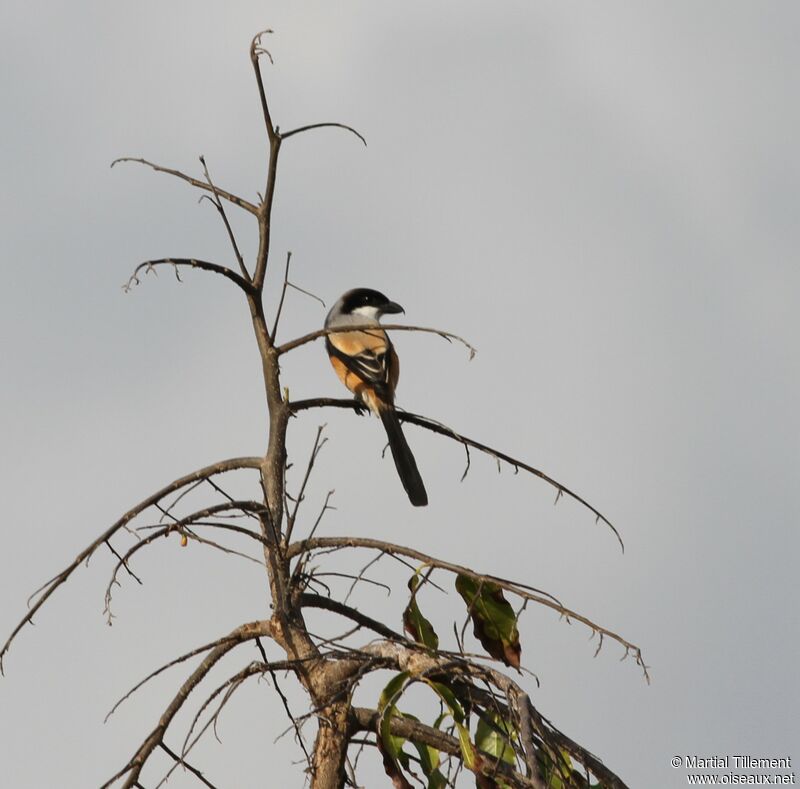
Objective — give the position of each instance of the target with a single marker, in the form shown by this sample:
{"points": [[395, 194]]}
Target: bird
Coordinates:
{"points": [[366, 363]]}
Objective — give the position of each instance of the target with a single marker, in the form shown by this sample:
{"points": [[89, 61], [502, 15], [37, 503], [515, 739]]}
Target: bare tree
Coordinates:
{"points": [[486, 724]]}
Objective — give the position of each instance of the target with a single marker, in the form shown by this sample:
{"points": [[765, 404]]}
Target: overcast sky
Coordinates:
{"points": [[603, 198]]}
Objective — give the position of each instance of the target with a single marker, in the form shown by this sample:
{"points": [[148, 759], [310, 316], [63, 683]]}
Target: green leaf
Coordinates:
{"points": [[414, 623], [491, 740], [393, 690], [429, 758], [472, 761], [496, 740], [391, 747], [391, 751], [469, 755], [562, 774], [493, 620], [449, 698]]}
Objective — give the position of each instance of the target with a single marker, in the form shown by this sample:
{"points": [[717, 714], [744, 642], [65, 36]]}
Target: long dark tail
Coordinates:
{"points": [[404, 459]]}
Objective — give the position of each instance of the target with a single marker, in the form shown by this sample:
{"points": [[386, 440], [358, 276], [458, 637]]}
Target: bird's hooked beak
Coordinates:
{"points": [[391, 308]]}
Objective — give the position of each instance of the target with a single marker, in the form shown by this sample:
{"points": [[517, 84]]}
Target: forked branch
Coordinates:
{"points": [[53, 584], [221, 211], [134, 767]]}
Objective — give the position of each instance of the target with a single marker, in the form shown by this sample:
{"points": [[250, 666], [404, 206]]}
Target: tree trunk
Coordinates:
{"points": [[330, 747]]}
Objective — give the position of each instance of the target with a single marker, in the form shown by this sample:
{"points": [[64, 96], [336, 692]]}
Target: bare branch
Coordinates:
{"points": [[220, 208], [283, 296], [436, 427], [151, 265], [124, 563], [208, 471], [256, 50], [304, 546], [311, 126], [286, 285], [183, 763], [298, 733], [319, 442], [231, 527], [315, 335], [231, 684], [179, 525], [307, 600], [229, 196], [360, 576], [174, 662], [134, 767], [448, 432]]}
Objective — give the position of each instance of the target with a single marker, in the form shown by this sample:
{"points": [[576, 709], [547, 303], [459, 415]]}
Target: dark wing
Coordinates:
{"points": [[372, 367]]}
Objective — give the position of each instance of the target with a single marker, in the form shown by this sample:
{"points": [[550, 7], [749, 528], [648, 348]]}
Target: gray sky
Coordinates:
{"points": [[602, 198]]}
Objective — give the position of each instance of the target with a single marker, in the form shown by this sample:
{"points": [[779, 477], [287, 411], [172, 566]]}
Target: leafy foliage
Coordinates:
{"points": [[414, 623], [494, 622], [395, 759]]}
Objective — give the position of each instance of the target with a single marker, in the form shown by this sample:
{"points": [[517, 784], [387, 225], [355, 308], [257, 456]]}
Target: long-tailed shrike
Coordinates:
{"points": [[366, 363]]}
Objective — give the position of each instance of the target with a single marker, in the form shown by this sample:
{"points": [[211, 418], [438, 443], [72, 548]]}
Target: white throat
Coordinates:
{"points": [[370, 313]]}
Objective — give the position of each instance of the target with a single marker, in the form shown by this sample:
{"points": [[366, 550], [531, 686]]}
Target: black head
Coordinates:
{"points": [[366, 301]]}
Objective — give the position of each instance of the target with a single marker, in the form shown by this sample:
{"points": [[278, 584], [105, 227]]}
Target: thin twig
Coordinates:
{"points": [[183, 763], [229, 196], [283, 296], [124, 564], [355, 579], [360, 576], [151, 265], [285, 702], [174, 662], [179, 525], [256, 50], [319, 442], [220, 208], [311, 126]]}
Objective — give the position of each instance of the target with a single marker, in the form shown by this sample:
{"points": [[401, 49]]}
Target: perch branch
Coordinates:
{"points": [[315, 335], [443, 430]]}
